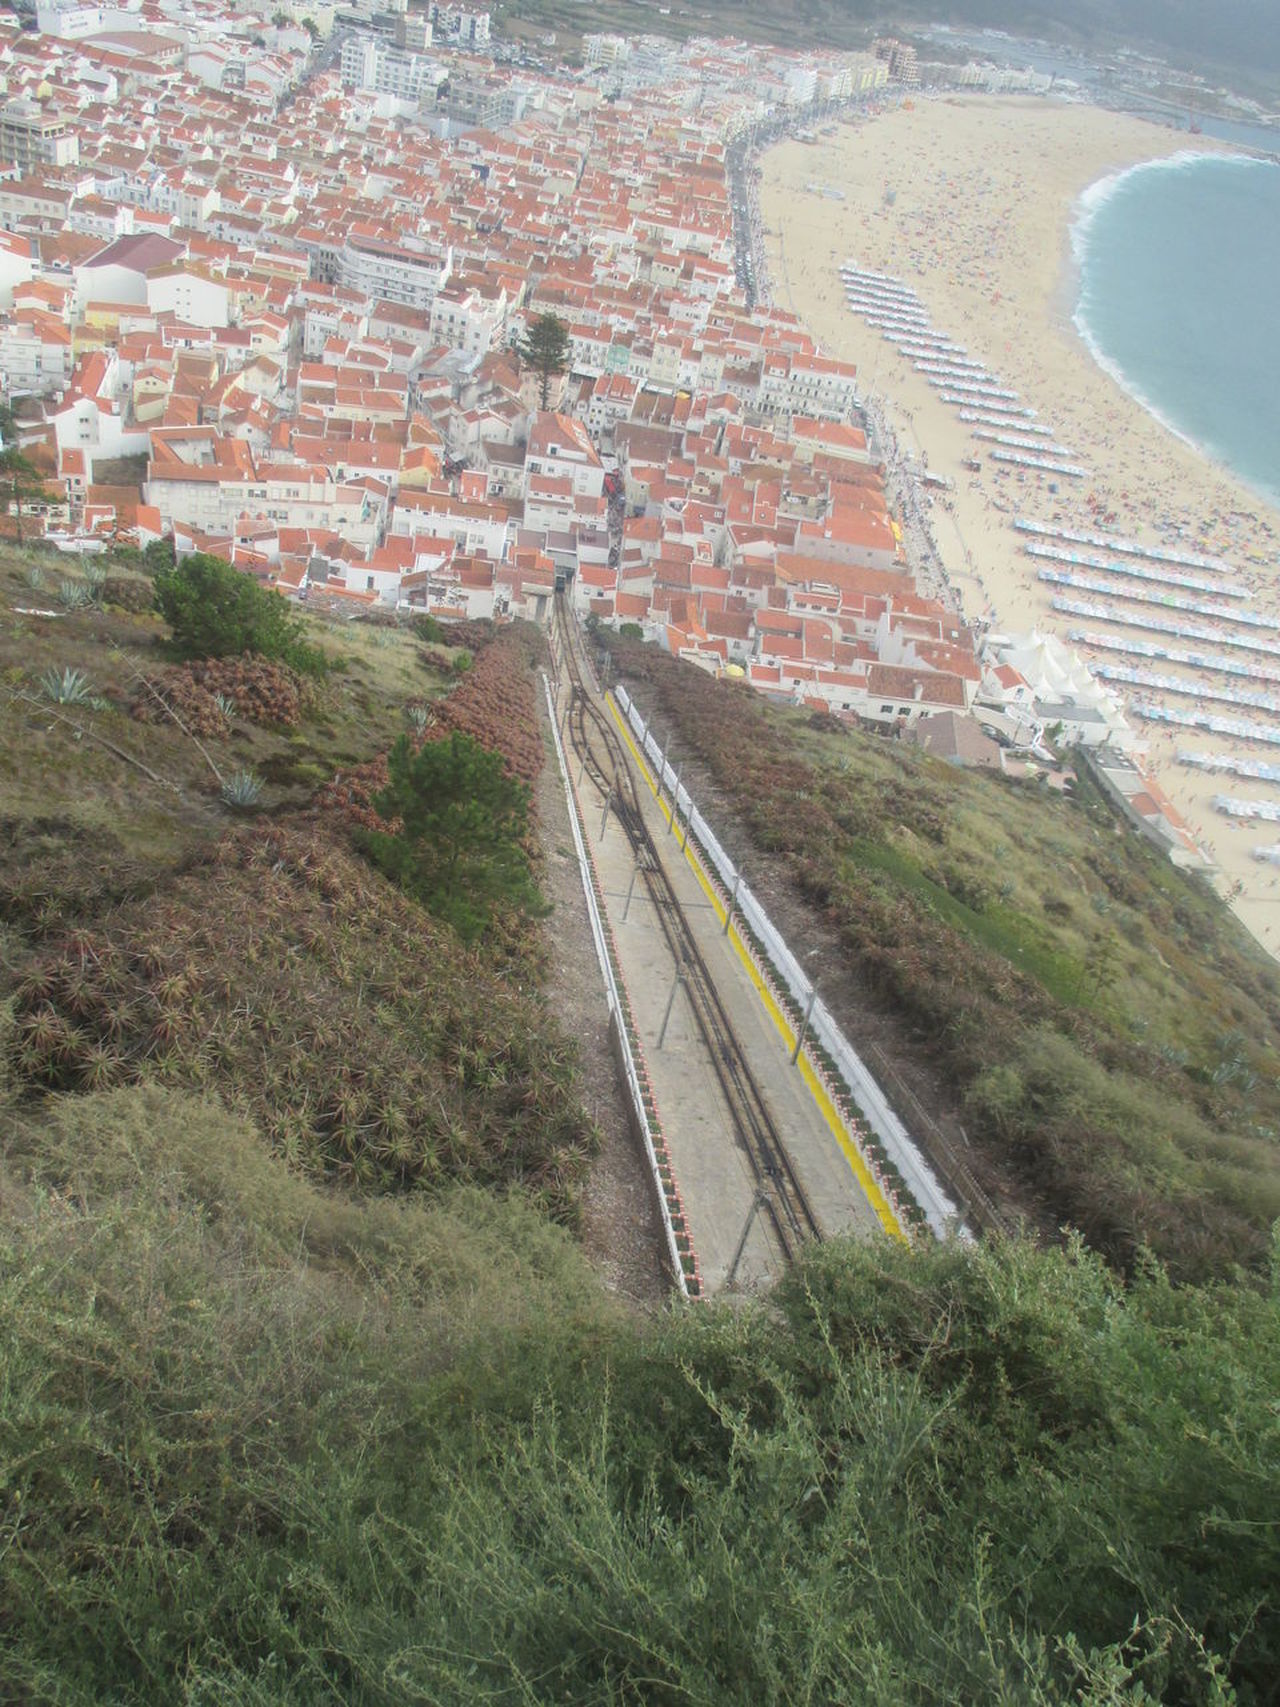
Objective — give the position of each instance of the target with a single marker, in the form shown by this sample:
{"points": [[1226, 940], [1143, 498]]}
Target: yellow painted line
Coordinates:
{"points": [[828, 1110]]}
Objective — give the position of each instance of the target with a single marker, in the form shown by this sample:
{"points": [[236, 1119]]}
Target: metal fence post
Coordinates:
{"points": [[733, 901], [804, 1025], [671, 1000]]}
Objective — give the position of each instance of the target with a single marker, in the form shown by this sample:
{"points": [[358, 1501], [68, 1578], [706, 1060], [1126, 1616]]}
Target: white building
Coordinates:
{"points": [[17, 265], [69, 21], [195, 297], [460, 26], [118, 273], [35, 354], [215, 498], [466, 320], [605, 49], [561, 447], [381, 69], [393, 272]]}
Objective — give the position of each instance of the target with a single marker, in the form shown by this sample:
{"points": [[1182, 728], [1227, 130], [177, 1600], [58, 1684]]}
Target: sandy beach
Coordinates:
{"points": [[981, 196]]}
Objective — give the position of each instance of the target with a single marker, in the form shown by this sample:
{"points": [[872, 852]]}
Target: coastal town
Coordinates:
{"points": [[265, 283], [639, 853]]}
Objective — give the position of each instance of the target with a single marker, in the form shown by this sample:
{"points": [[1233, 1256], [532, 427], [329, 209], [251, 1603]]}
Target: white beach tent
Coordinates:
{"points": [[1058, 676]]}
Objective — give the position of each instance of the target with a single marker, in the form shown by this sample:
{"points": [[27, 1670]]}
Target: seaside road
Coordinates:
{"points": [[711, 1166]]}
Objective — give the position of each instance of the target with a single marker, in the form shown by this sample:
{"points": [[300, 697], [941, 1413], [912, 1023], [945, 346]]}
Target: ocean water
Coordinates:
{"points": [[1179, 299]]}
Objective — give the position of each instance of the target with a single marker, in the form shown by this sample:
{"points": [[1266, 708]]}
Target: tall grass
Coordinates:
{"points": [[265, 1444]]}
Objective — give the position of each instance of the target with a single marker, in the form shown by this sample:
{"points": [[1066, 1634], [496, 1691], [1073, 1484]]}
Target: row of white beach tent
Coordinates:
{"points": [[1260, 770], [1166, 601], [1126, 547], [1139, 572], [1134, 648], [1184, 686], [1150, 712], [1233, 808], [992, 418], [894, 309]]}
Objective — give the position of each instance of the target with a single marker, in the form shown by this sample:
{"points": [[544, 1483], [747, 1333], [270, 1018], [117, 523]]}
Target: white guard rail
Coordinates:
{"points": [[940, 1212]]}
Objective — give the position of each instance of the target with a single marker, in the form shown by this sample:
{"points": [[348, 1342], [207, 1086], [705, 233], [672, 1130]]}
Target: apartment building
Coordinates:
{"points": [[466, 320], [32, 135], [213, 498], [379, 68], [392, 272]]}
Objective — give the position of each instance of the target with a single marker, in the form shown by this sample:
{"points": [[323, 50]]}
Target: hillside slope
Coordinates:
{"points": [[309, 1392], [156, 933], [1100, 1026]]}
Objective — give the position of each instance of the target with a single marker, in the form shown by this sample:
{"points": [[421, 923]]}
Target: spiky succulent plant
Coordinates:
{"points": [[66, 687], [242, 789]]}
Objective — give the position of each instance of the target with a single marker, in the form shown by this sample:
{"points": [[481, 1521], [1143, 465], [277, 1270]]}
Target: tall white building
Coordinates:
{"points": [[391, 272], [381, 69], [33, 136], [458, 25]]}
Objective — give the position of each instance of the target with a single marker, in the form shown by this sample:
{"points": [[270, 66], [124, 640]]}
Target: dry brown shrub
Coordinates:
{"points": [[126, 593], [281, 973], [262, 692]]}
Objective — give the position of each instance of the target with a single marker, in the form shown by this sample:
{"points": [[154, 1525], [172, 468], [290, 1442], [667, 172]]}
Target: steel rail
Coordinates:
{"points": [[597, 745]]}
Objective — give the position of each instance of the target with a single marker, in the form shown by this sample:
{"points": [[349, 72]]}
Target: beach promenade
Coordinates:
{"points": [[966, 203]]}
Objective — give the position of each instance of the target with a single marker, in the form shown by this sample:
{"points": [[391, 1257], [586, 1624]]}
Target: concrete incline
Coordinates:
{"points": [[711, 1165]]}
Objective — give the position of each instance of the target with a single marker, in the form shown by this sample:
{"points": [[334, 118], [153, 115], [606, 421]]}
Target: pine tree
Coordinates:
{"points": [[460, 848], [544, 350], [22, 484]]}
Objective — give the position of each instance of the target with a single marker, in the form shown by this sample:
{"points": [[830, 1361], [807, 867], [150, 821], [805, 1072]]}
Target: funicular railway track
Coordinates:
{"points": [[595, 742]]}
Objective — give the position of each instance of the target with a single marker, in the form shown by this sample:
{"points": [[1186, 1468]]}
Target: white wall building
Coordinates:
{"points": [[194, 297], [382, 69], [467, 321], [215, 498], [392, 271], [69, 22]]}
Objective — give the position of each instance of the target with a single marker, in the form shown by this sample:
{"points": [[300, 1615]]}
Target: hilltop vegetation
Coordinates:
{"points": [[151, 937], [1105, 1029], [309, 1393]]}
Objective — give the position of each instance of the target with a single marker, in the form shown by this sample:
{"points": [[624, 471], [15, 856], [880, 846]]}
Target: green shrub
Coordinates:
{"points": [[460, 846], [159, 555], [242, 789], [216, 611], [265, 1443], [75, 595]]}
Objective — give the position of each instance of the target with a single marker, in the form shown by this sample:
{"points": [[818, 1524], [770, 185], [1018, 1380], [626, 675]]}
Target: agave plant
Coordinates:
{"points": [[66, 687], [75, 595], [225, 704], [417, 717], [242, 789], [95, 576], [33, 575]]}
